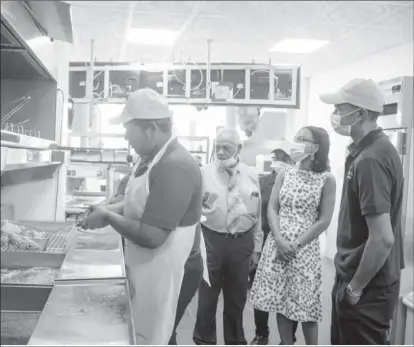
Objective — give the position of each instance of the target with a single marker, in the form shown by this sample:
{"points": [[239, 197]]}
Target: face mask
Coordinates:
{"points": [[344, 130], [278, 165], [301, 151], [227, 163]]}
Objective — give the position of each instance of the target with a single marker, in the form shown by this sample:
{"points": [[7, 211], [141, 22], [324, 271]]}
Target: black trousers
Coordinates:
{"points": [[228, 263], [193, 275], [366, 323]]}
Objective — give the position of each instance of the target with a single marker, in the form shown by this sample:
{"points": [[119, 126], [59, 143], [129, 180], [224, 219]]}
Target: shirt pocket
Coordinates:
{"points": [[252, 203], [209, 200]]}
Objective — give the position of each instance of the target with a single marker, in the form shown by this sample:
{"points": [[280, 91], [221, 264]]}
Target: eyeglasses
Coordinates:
{"points": [[303, 139]]}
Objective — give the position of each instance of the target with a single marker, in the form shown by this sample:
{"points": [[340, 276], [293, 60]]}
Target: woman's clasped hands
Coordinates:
{"points": [[286, 250]]}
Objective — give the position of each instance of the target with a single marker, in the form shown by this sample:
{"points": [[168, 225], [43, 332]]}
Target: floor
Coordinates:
{"points": [[185, 330]]}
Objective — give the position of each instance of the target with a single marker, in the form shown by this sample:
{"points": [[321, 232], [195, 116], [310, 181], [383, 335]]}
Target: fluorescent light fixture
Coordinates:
{"points": [[38, 41], [152, 37], [298, 46]]}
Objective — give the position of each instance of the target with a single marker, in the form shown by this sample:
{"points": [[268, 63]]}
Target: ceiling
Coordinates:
{"points": [[242, 31]]}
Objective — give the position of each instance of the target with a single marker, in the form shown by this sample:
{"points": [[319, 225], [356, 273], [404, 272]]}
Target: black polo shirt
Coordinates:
{"points": [[373, 184]]}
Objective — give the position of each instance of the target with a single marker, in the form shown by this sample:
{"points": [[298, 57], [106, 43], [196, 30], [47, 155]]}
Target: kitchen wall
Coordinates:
{"points": [[40, 111], [270, 130], [384, 65]]}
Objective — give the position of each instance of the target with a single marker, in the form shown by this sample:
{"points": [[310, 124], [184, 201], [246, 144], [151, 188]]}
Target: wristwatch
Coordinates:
{"points": [[351, 292]]}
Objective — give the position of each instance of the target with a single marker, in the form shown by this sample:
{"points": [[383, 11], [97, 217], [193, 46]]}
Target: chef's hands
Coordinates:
{"points": [[254, 260], [81, 220], [96, 217]]}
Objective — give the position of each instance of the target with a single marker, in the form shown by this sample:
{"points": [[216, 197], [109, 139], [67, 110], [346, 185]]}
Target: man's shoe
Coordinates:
{"points": [[260, 340]]}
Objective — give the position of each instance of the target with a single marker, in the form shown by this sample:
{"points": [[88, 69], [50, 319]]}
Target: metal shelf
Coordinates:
{"points": [[92, 194], [29, 172]]}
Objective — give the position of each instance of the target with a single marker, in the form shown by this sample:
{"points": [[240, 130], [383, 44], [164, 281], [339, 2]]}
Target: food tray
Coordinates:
{"points": [[59, 237]]}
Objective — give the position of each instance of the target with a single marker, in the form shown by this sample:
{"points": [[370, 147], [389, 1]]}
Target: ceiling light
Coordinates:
{"points": [[298, 46], [38, 41], [152, 37]]}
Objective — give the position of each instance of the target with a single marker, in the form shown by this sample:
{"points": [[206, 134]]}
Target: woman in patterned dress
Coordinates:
{"points": [[289, 276]]}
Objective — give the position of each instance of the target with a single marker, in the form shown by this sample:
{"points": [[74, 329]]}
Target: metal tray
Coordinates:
{"points": [[60, 236], [92, 264], [104, 239], [96, 255], [86, 315]]}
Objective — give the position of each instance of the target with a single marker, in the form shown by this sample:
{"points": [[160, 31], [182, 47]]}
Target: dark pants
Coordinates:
{"points": [[366, 323], [193, 275], [228, 263]]}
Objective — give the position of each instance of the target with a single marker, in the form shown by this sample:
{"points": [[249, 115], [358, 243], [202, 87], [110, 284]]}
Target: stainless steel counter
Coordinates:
{"points": [[86, 315], [96, 255], [90, 302]]}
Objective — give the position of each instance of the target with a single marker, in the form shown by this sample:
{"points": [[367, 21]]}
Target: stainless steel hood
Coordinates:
{"points": [[28, 31]]}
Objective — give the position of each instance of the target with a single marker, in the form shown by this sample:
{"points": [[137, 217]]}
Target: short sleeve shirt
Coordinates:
{"points": [[373, 184], [175, 191]]}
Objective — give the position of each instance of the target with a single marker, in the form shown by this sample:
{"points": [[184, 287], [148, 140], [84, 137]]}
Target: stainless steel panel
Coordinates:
{"points": [[24, 297], [105, 239], [25, 260], [92, 264], [95, 255], [17, 327], [85, 315]]}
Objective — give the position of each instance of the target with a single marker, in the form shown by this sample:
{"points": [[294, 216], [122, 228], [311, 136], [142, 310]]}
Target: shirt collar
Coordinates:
{"points": [[371, 137]]}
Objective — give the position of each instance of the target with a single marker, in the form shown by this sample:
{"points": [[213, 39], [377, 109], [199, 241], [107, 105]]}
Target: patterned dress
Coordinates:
{"points": [[293, 288]]}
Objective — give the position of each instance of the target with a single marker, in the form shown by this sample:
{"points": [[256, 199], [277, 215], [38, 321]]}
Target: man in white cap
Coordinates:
{"points": [[234, 237], [369, 255], [158, 216]]}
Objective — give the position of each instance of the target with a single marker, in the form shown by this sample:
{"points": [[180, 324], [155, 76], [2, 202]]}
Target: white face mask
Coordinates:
{"points": [[344, 130], [301, 151], [227, 163], [278, 165]]}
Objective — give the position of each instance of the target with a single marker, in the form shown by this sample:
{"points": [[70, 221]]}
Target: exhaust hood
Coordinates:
{"points": [[28, 31]]}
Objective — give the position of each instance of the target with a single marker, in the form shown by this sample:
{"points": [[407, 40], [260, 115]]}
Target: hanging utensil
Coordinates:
{"points": [[24, 100]]}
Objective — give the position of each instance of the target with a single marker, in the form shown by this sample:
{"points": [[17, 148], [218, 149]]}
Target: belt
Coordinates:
{"points": [[232, 236]]}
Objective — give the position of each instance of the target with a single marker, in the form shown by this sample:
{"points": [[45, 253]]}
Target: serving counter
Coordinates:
{"points": [[88, 303], [86, 314]]}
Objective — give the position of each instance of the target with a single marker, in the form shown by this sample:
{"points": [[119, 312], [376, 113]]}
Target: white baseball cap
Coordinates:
{"points": [[359, 92], [144, 104]]}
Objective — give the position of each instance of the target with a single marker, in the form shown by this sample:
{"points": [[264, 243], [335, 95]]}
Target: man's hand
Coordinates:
{"points": [[352, 298], [285, 251], [254, 260], [97, 219]]}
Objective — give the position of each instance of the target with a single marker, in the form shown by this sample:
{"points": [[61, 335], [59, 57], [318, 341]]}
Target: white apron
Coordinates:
{"points": [[154, 275]]}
